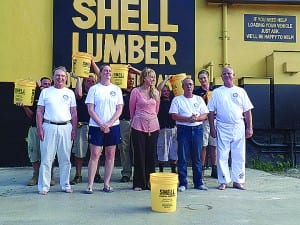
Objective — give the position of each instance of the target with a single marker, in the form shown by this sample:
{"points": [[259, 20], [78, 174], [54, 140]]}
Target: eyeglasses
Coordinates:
{"points": [[188, 84]]}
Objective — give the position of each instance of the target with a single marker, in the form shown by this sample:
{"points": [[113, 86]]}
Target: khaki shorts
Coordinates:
{"points": [[34, 153], [81, 143], [207, 139]]}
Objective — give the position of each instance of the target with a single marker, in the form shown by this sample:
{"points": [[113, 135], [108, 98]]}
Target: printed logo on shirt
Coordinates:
{"points": [[66, 98], [113, 93], [196, 105], [236, 98]]}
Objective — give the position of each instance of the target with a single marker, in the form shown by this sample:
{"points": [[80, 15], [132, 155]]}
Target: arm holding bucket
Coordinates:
{"points": [[95, 67], [78, 88], [163, 83], [134, 70]]}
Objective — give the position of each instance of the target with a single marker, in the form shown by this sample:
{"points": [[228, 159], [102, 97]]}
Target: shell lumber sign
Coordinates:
{"points": [[157, 33]]}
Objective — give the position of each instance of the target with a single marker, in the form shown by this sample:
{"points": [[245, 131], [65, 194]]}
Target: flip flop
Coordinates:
{"points": [[107, 190], [89, 190]]}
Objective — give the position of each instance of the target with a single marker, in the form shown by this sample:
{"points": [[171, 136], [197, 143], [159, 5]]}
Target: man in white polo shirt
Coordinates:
{"points": [[57, 126]]}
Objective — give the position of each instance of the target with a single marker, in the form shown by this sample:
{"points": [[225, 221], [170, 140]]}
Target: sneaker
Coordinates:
{"points": [[182, 188], [125, 179], [33, 181], [202, 187], [76, 180], [98, 179], [52, 181]]}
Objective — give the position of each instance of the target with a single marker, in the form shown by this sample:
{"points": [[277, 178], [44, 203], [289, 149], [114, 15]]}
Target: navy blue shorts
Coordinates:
{"points": [[99, 138]]}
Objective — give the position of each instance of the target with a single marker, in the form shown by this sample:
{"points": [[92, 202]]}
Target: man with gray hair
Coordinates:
{"points": [[189, 111], [232, 108], [56, 121]]}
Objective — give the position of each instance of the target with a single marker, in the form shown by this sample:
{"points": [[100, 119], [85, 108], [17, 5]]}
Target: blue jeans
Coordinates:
{"points": [[190, 140]]}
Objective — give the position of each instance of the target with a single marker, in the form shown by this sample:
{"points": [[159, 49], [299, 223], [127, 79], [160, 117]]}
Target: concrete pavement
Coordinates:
{"points": [[269, 199]]}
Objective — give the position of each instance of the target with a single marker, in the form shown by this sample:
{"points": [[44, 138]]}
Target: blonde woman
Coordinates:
{"points": [[144, 105]]}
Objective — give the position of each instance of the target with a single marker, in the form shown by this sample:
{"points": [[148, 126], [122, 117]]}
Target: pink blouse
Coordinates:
{"points": [[143, 112]]}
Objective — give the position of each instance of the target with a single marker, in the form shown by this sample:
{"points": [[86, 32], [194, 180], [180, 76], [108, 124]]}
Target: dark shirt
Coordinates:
{"points": [[203, 93], [164, 118], [33, 108], [82, 111], [125, 113]]}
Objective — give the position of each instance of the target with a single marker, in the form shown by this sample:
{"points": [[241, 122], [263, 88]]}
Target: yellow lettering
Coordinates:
{"points": [[135, 52], [164, 25], [115, 48], [99, 46], [126, 14], [149, 48], [88, 13], [90, 44], [111, 48], [103, 12], [167, 54], [75, 42], [145, 26]]}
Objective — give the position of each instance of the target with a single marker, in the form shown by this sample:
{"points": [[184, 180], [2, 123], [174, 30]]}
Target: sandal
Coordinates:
{"points": [[107, 190], [43, 192], [137, 189], [222, 187], [68, 190], [238, 186], [89, 190]]}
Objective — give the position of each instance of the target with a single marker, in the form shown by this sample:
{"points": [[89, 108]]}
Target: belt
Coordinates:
{"points": [[80, 124], [83, 123], [60, 123]]}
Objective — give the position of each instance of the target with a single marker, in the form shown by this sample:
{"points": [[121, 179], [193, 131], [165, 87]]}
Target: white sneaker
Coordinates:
{"points": [[181, 188], [202, 187]]}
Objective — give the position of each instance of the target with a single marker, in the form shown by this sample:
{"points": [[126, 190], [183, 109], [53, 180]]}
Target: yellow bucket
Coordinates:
{"points": [[119, 75], [81, 63], [24, 91], [176, 83], [163, 191]]}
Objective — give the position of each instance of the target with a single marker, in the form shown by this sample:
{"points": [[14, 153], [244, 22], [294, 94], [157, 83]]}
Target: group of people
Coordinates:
{"points": [[100, 116]]}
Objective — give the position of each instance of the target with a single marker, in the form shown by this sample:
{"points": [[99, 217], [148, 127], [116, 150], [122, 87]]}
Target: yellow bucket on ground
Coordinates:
{"points": [[119, 75], [24, 91], [81, 63], [163, 191], [176, 83]]}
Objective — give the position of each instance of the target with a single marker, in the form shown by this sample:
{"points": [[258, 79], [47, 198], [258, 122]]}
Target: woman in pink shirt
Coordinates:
{"points": [[144, 105]]}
